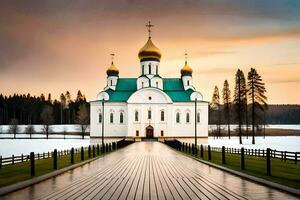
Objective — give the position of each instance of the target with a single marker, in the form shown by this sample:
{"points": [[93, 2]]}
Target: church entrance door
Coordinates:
{"points": [[149, 132]]}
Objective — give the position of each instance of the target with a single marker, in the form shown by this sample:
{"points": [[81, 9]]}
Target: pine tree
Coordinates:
{"points": [[63, 106], [215, 107], [239, 99], [79, 97], [257, 96], [68, 101], [49, 98], [227, 104]]}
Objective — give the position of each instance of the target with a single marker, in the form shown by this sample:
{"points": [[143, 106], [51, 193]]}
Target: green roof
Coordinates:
{"points": [[173, 87]]}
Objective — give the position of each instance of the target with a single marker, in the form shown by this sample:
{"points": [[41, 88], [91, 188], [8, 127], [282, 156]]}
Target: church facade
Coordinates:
{"points": [[149, 105]]}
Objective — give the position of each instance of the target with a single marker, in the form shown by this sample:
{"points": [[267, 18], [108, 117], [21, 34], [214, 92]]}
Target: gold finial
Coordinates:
{"points": [[186, 56], [149, 25], [112, 58]]}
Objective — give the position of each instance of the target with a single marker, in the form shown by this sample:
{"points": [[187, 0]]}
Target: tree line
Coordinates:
{"points": [[247, 106], [21, 109], [27, 109]]}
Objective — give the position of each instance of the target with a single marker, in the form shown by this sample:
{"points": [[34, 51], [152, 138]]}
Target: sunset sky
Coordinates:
{"points": [[58, 45]]}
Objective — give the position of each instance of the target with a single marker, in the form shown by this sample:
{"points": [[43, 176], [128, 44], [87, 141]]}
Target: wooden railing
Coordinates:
{"points": [[266, 154], [26, 158]]}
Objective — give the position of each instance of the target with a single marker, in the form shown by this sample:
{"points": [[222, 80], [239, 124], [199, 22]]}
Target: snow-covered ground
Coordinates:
{"points": [[59, 128]]}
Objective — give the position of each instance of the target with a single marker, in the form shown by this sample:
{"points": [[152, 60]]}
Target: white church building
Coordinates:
{"points": [[149, 106]]}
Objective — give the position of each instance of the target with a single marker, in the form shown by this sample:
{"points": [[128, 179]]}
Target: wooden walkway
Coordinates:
{"points": [[151, 170]]}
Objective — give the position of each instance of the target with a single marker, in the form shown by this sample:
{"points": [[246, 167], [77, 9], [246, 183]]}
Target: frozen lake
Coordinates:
{"points": [[25, 146], [280, 143]]}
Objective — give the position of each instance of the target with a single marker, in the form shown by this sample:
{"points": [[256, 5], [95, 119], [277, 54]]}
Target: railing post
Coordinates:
{"points": [[242, 158], [94, 152], [106, 147], [201, 151], [196, 151], [268, 162], [0, 162], [82, 154], [89, 151], [32, 166], [22, 158], [98, 149], [295, 157], [55, 159], [209, 153], [285, 156], [72, 156], [13, 159], [193, 149], [223, 155]]}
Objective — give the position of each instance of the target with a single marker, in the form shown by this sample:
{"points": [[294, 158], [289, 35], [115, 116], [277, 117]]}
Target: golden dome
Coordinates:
{"points": [[186, 70], [149, 51], [112, 70]]}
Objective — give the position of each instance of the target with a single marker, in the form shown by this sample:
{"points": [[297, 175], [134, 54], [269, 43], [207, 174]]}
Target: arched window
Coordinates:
{"points": [[150, 69], [177, 117], [111, 83], [111, 118], [187, 117], [100, 118], [143, 70], [156, 69], [162, 115], [156, 84], [121, 118], [149, 114], [136, 116], [198, 117], [188, 83]]}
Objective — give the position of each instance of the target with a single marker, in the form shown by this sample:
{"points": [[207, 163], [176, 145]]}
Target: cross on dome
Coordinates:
{"points": [[112, 57], [149, 25]]}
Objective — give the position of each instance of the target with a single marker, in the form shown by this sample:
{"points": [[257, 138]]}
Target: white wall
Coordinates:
{"points": [[114, 129], [155, 100]]}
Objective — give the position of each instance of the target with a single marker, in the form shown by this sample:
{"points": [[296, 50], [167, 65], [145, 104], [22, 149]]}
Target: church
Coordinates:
{"points": [[149, 106]]}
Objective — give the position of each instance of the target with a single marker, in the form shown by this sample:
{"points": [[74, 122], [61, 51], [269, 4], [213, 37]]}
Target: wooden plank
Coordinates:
{"points": [[118, 188], [128, 187], [157, 182], [140, 188]]}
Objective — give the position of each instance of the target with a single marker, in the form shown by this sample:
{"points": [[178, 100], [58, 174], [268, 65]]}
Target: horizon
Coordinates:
{"points": [[54, 47]]}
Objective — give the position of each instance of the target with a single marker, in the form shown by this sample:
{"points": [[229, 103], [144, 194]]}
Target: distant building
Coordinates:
{"points": [[149, 105]]}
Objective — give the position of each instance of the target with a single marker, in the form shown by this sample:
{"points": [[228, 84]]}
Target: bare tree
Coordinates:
{"points": [[13, 127], [29, 130], [83, 118], [47, 118]]}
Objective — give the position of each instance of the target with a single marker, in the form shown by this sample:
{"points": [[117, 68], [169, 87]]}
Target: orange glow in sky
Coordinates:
{"points": [[55, 46]]}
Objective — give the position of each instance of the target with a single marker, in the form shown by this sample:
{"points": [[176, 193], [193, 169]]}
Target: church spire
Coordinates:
{"points": [[149, 52], [186, 69], [112, 70]]}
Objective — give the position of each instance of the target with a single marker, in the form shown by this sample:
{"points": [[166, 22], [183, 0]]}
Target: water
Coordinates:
{"points": [[280, 143]]}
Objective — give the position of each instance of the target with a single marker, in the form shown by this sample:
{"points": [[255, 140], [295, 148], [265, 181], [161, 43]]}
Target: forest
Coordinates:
{"points": [[28, 109], [275, 114]]}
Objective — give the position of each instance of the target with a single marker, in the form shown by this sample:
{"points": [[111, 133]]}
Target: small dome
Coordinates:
{"points": [[149, 51], [186, 70], [112, 70]]}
